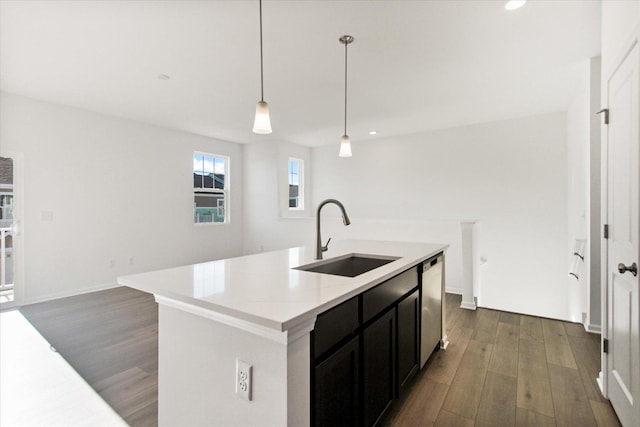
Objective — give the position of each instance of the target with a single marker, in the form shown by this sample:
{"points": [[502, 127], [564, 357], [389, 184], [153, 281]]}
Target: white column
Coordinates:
{"points": [[468, 265]]}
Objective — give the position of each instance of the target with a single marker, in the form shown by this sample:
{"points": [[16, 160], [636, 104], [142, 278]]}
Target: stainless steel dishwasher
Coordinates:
{"points": [[432, 297]]}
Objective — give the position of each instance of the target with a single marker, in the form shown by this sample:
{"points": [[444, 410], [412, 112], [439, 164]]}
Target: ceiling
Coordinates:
{"points": [[414, 65]]}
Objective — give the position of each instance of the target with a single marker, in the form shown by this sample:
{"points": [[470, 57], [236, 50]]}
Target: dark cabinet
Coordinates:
{"points": [[379, 298], [378, 361], [334, 325], [336, 388], [408, 341], [364, 351]]}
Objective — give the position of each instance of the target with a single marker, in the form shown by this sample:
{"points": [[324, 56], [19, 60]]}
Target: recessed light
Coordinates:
{"points": [[514, 4], [372, 132], [163, 77]]}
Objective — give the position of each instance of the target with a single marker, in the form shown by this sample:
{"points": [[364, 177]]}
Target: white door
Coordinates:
{"points": [[623, 187]]}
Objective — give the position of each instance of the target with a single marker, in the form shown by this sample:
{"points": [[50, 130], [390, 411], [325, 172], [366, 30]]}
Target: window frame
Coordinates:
{"points": [[202, 191], [300, 163]]}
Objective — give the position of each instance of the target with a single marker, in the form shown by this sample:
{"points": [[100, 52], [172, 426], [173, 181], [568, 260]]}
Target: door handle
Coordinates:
{"points": [[633, 268]]}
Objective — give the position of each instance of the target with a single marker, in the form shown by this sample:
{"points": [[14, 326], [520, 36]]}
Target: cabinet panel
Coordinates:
{"points": [[336, 388], [387, 293], [335, 324], [378, 367], [408, 328]]}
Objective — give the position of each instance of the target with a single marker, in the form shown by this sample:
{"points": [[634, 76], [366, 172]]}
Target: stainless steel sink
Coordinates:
{"points": [[348, 265]]}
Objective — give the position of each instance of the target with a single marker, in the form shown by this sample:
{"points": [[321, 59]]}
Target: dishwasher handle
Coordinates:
{"points": [[433, 261]]}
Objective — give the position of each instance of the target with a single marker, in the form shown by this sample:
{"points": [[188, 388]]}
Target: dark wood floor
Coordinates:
{"points": [[505, 369], [501, 369], [111, 339]]}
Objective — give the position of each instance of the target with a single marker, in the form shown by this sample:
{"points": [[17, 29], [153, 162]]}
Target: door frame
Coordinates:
{"points": [[606, 76], [18, 238]]}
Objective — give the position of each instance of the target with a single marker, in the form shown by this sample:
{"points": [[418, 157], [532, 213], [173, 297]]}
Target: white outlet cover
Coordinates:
{"points": [[243, 379], [47, 215]]}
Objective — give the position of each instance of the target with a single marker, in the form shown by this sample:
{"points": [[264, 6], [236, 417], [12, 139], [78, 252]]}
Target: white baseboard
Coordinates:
{"points": [[600, 382], [444, 343], [468, 305], [594, 329], [58, 295], [455, 291]]}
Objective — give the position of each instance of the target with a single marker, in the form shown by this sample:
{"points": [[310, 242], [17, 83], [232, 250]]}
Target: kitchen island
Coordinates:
{"points": [[258, 309]]}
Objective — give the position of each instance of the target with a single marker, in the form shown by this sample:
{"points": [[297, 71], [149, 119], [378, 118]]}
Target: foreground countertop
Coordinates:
{"points": [[264, 289]]}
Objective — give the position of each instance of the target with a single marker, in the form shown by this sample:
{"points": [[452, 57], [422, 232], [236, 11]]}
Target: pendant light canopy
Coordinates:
{"points": [[345, 143], [262, 122]]}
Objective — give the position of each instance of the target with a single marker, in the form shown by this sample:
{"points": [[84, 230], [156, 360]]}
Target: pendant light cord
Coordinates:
{"points": [[345, 88], [261, 60]]}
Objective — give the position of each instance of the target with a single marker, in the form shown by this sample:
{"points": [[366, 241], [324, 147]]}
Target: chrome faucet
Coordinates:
{"points": [[345, 220]]}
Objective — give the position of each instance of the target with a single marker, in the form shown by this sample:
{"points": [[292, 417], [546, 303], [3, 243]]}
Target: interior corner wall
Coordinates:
{"points": [[578, 167], [510, 176], [104, 197], [268, 224], [594, 320]]}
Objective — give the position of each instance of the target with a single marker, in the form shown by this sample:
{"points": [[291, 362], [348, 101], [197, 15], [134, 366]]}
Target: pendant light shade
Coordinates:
{"points": [[262, 122], [345, 146], [345, 142]]}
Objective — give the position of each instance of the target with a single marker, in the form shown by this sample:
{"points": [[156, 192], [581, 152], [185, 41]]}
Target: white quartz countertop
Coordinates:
{"points": [[264, 289]]}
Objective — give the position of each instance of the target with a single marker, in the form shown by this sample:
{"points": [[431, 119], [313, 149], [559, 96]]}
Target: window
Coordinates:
{"points": [[6, 205], [210, 188], [296, 188]]}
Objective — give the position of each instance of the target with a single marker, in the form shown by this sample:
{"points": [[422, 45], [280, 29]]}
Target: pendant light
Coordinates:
{"points": [[262, 122], [345, 143]]}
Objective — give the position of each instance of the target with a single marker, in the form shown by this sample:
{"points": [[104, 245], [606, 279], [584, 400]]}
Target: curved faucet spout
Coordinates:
{"points": [[345, 220]]}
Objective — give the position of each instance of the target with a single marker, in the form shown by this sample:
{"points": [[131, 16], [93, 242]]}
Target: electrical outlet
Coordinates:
{"points": [[243, 379], [47, 215]]}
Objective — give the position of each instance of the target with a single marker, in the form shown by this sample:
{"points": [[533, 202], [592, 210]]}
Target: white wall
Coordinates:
{"points": [[116, 190], [583, 145], [268, 224], [509, 175]]}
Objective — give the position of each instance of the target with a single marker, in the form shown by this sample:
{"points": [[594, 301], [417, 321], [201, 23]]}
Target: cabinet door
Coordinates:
{"points": [[378, 367], [336, 388], [408, 327]]}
